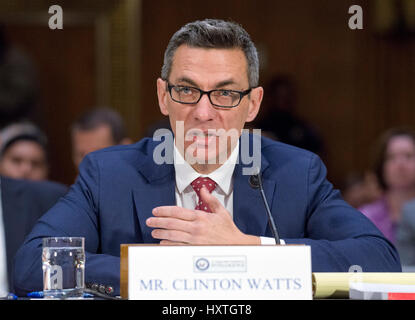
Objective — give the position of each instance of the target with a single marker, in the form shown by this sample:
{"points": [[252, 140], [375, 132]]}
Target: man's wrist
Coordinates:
{"points": [[252, 240]]}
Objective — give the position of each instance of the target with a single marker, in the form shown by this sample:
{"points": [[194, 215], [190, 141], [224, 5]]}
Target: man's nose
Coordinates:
{"points": [[25, 169], [204, 110]]}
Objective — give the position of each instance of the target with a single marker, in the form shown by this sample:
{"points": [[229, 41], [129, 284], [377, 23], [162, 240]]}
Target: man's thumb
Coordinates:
{"points": [[213, 203]]}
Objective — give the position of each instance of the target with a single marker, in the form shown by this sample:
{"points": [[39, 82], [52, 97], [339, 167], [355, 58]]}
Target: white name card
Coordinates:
{"points": [[266, 272]]}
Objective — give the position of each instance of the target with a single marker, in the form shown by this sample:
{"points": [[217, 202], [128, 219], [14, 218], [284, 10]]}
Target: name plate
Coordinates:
{"points": [[266, 272]]}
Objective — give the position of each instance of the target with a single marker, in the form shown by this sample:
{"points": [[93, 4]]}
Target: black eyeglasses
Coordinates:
{"points": [[221, 98]]}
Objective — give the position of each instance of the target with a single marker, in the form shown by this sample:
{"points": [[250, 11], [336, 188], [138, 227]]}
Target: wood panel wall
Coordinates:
{"points": [[352, 85], [91, 62], [66, 81]]}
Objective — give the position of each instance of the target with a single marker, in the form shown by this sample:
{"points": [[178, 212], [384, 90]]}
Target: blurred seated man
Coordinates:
{"points": [[360, 189], [23, 152], [97, 129], [280, 119], [22, 202]]}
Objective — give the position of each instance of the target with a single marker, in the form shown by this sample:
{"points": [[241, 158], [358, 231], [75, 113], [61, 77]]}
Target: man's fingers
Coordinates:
{"points": [[170, 235], [171, 217], [172, 243], [213, 203], [168, 223], [174, 212], [175, 225]]}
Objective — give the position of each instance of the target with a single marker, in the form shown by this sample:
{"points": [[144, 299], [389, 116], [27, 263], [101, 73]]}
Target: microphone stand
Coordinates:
{"points": [[256, 182]]}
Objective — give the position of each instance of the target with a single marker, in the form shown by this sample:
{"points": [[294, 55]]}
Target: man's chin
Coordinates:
{"points": [[201, 155], [204, 142]]}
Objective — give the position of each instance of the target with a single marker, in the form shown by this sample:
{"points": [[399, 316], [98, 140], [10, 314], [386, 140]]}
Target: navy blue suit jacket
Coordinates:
{"points": [[118, 187], [23, 203]]}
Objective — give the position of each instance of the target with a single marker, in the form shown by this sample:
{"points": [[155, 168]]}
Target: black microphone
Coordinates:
{"points": [[256, 182]]}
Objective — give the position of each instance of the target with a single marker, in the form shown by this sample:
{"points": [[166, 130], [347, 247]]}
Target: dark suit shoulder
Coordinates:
{"points": [[40, 186], [135, 151], [272, 147], [50, 189], [127, 160], [282, 156], [34, 189], [30, 199]]}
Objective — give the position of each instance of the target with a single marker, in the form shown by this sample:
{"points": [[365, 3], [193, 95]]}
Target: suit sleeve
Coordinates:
{"points": [[76, 214], [340, 236]]}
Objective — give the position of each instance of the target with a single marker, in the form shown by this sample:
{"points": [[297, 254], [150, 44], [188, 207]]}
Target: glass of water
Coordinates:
{"points": [[63, 264]]}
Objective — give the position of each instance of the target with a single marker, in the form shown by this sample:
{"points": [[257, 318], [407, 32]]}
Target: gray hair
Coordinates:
{"points": [[212, 33]]}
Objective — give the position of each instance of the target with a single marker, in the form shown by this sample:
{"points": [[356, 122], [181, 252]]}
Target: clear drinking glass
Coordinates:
{"points": [[63, 264]]}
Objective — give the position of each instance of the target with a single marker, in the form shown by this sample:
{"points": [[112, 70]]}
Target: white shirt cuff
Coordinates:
{"points": [[267, 240]]}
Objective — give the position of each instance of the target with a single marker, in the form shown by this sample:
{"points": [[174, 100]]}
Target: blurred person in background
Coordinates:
{"points": [[394, 167], [97, 129], [23, 152], [360, 189], [280, 120]]}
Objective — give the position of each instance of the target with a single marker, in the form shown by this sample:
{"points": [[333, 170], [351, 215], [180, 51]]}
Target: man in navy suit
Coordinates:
{"points": [[131, 194], [22, 203]]}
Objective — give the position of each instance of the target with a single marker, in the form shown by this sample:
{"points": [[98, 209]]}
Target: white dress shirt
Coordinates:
{"points": [[187, 198], [4, 287]]}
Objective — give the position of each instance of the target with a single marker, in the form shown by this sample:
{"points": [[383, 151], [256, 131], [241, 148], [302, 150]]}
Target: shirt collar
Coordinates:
{"points": [[185, 174]]}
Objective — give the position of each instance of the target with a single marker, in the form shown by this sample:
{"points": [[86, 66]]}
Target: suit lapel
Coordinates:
{"points": [[156, 189], [249, 211]]}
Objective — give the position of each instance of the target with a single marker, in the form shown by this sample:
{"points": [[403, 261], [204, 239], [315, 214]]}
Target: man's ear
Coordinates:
{"points": [[162, 95], [255, 100]]}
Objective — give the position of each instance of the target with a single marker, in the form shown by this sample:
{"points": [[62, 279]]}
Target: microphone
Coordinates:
{"points": [[255, 182]]}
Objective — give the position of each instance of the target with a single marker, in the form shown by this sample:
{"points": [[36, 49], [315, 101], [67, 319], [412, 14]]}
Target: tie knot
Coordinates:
{"points": [[203, 182], [199, 183]]}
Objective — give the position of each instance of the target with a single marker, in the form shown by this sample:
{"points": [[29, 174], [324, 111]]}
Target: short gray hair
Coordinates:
{"points": [[212, 33]]}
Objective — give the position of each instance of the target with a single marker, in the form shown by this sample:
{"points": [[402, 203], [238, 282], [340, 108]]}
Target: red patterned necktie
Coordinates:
{"points": [[208, 184]]}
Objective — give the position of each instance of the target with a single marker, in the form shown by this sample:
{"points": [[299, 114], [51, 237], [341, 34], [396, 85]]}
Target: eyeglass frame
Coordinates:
{"points": [[242, 94]]}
